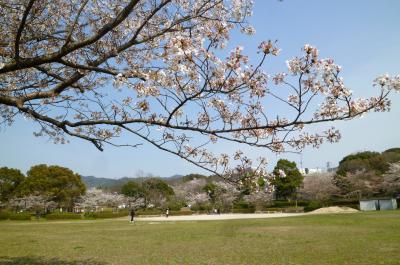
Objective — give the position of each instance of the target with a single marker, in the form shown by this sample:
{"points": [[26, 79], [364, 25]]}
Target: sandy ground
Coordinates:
{"points": [[231, 216], [335, 209], [228, 216]]}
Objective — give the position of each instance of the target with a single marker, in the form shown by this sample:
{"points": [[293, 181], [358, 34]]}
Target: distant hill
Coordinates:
{"points": [[93, 182]]}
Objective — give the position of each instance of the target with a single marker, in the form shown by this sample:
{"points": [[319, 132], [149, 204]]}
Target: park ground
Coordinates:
{"points": [[354, 238]]}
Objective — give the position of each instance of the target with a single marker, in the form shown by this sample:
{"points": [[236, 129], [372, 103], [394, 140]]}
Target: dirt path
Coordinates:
{"points": [[229, 216]]}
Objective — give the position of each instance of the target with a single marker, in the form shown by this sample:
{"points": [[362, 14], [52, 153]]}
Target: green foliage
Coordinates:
{"points": [[10, 179], [286, 209], [203, 207], [285, 203], [247, 184], [313, 206], [20, 216], [157, 185], [367, 161], [392, 150], [391, 155], [211, 189], [104, 215], [4, 215], [58, 183], [261, 182], [372, 165], [286, 186], [149, 211], [63, 216], [243, 207], [132, 189], [243, 210], [175, 205], [156, 190]]}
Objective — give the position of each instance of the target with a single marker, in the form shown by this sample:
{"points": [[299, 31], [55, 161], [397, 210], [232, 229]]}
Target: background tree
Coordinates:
{"points": [[391, 181], [287, 178], [57, 67], [57, 183], [225, 194], [95, 199], [318, 187], [156, 191], [363, 161], [133, 192], [362, 173], [211, 190], [36, 203], [221, 194], [10, 179], [190, 190]]}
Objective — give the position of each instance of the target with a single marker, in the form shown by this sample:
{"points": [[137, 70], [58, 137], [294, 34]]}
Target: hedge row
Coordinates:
{"points": [[243, 207], [4, 215], [286, 209], [101, 215], [243, 210]]}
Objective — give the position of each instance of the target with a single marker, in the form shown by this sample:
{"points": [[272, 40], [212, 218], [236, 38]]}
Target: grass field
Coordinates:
{"points": [[361, 238]]}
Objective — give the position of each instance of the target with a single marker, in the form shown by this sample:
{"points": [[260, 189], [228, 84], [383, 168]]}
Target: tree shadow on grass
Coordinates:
{"points": [[45, 261]]}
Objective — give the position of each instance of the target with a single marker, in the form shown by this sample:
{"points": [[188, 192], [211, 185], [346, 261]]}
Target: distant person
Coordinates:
{"points": [[132, 215], [218, 211], [167, 212]]}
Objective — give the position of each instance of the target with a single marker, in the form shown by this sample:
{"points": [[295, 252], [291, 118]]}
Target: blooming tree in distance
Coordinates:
{"points": [[97, 70]]}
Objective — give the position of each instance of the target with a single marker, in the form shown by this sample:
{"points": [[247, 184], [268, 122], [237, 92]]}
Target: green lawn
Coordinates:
{"points": [[361, 238]]}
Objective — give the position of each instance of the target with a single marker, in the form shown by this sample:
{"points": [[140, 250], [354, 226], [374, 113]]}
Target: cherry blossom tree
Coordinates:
{"points": [[36, 203], [97, 198], [318, 187], [97, 70], [191, 192], [391, 180]]}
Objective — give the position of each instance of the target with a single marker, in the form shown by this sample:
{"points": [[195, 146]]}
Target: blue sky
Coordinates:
{"points": [[361, 35]]}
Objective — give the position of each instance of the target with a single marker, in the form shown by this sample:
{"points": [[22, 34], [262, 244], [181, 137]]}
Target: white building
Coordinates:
{"points": [[306, 171]]}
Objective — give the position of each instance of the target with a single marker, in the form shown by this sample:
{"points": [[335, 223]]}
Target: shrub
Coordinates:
{"points": [[243, 210], [62, 216], [180, 213], [20, 216], [280, 204], [313, 205], [204, 207], [103, 215], [243, 207], [175, 205], [153, 211], [88, 215], [273, 209], [354, 206], [4, 215]]}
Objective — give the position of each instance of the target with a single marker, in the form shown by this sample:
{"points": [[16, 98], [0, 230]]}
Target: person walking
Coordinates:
{"points": [[167, 212], [132, 215]]}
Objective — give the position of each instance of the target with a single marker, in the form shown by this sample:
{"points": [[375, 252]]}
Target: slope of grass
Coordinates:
{"points": [[361, 238]]}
